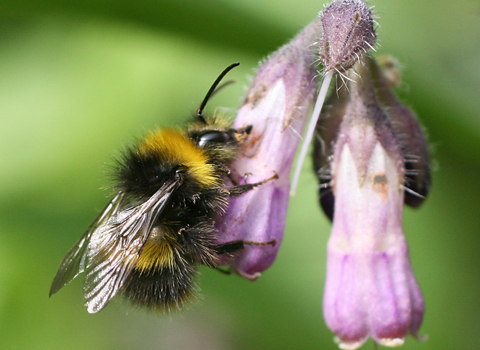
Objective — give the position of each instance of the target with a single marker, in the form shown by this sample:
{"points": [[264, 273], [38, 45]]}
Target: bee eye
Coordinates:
{"points": [[211, 137]]}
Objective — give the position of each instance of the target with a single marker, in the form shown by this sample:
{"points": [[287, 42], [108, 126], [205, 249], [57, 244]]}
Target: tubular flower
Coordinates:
{"points": [[276, 105], [370, 288]]}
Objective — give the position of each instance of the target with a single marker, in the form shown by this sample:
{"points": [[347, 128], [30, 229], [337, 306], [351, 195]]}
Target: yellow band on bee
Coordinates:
{"points": [[177, 147], [155, 256]]}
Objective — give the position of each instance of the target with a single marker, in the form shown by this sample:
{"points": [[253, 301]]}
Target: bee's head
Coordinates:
{"points": [[214, 133]]}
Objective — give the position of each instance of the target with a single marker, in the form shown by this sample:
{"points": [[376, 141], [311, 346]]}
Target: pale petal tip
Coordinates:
{"points": [[352, 345], [249, 276], [391, 342], [421, 337]]}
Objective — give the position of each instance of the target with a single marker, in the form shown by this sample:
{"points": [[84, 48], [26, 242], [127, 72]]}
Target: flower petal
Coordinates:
{"points": [[276, 105]]}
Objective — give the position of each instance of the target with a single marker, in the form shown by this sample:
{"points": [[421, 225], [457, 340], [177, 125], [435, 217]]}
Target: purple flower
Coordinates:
{"points": [[370, 289], [276, 104]]}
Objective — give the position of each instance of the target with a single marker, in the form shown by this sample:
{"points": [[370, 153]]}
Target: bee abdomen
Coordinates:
{"points": [[162, 289]]}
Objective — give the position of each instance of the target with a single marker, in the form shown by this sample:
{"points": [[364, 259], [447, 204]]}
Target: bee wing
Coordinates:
{"points": [[74, 262], [116, 245]]}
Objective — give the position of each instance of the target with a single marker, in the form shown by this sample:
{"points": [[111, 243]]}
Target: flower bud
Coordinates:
{"points": [[370, 289], [347, 33], [390, 68], [276, 105]]}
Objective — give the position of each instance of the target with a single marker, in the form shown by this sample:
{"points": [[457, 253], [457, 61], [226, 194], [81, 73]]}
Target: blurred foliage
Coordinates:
{"points": [[80, 78]]}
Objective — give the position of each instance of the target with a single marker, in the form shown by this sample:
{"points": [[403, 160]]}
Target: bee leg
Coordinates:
{"points": [[229, 247], [233, 180], [272, 243], [235, 246], [237, 189], [226, 271]]}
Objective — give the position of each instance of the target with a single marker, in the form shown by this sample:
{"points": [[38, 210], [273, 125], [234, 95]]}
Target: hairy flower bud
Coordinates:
{"points": [[347, 33], [276, 105]]}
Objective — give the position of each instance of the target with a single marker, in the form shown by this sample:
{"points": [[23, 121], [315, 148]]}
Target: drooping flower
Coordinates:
{"points": [[370, 290], [276, 105], [347, 33]]}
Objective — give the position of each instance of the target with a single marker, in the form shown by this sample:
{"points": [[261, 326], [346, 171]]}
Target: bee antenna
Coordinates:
{"points": [[212, 90]]}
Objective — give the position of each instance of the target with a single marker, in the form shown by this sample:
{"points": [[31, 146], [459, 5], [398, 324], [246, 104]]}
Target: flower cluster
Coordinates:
{"points": [[371, 157]]}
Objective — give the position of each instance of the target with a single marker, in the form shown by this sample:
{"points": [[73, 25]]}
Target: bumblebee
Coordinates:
{"points": [[150, 239]]}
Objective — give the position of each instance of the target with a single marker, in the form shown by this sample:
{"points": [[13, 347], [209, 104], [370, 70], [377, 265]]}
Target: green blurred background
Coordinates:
{"points": [[78, 79]]}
